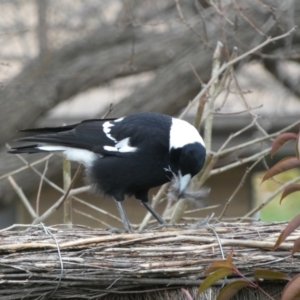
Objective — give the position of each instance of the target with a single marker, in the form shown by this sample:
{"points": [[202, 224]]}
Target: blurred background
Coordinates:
{"points": [[65, 61]]}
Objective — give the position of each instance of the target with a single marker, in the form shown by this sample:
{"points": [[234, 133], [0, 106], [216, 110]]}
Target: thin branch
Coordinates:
{"points": [[91, 217], [201, 209], [60, 201], [257, 140], [25, 167], [269, 199], [19, 226], [104, 212], [247, 106], [237, 189], [110, 109], [52, 184], [22, 196], [67, 179], [232, 136], [238, 112], [240, 162], [213, 93], [201, 103], [184, 21], [40, 188], [220, 12], [240, 12], [230, 63]]}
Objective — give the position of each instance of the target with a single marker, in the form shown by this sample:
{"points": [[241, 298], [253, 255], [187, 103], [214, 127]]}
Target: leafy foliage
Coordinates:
{"points": [[284, 165], [220, 269]]}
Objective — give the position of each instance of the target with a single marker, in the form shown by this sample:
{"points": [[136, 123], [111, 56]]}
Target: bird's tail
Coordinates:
{"points": [[26, 149], [49, 139]]}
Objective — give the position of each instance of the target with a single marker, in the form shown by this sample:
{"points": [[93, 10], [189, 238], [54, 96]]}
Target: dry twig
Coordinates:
{"points": [[170, 257]]}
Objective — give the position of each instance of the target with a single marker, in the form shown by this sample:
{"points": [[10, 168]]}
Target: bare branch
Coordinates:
{"points": [[40, 188], [241, 162], [240, 185], [230, 63], [269, 199], [22, 197], [58, 203]]}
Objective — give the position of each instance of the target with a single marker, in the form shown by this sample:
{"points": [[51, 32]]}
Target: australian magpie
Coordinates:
{"points": [[126, 156]]}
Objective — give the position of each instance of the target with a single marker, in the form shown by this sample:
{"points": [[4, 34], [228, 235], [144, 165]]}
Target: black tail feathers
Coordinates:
{"points": [[25, 149]]}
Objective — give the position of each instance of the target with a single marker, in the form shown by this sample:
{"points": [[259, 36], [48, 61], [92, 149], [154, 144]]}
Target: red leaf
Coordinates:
{"points": [[291, 188], [232, 288], [298, 146], [229, 257], [292, 289], [293, 224], [270, 275], [296, 246], [220, 264], [281, 140], [283, 165], [213, 278]]}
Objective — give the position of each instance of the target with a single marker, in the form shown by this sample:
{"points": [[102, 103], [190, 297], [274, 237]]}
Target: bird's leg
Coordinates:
{"points": [[154, 213], [143, 196], [123, 216]]}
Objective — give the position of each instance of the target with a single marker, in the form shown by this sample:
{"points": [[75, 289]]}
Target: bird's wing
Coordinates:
{"points": [[117, 137], [143, 131], [87, 135]]}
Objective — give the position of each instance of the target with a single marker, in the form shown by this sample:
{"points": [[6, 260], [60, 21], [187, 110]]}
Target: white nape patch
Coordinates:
{"points": [[183, 133], [119, 120], [106, 129], [123, 146], [83, 156]]}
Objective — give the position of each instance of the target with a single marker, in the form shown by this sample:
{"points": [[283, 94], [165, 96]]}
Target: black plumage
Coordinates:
{"points": [[126, 156]]}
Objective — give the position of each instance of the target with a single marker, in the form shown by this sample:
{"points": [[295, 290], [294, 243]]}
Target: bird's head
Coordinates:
{"points": [[186, 162], [187, 152]]}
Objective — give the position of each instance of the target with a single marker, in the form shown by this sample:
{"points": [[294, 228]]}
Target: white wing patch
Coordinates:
{"points": [[183, 133], [83, 156], [123, 146], [106, 129], [119, 120]]}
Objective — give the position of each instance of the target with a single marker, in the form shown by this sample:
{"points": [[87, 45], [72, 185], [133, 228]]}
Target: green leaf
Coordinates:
{"points": [[270, 275], [222, 264], [281, 140], [283, 165], [293, 224], [292, 289], [232, 288], [213, 278]]}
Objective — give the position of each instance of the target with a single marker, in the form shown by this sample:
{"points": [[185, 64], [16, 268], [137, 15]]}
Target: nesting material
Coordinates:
{"points": [[93, 262], [194, 196]]}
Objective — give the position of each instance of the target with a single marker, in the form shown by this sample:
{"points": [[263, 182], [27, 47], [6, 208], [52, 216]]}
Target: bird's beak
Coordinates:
{"points": [[183, 182]]}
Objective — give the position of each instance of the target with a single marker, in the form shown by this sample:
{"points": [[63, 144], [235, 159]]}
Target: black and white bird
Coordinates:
{"points": [[126, 156]]}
